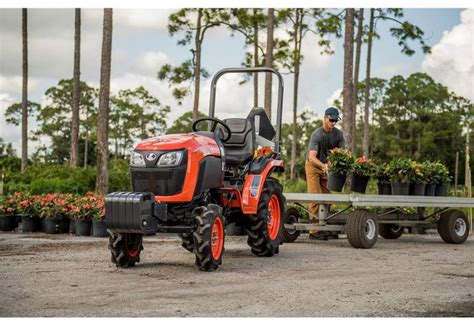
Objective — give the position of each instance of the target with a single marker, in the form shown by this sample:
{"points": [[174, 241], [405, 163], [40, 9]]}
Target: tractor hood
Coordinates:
{"points": [[192, 142]]}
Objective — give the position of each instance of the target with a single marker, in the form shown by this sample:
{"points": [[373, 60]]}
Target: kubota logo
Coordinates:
{"points": [[150, 156]]}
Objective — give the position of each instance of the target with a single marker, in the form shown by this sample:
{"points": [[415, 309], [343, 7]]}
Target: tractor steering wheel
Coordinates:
{"points": [[214, 124]]}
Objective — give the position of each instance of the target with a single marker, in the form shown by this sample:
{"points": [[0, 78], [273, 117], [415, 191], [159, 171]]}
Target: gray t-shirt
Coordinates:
{"points": [[322, 141]]}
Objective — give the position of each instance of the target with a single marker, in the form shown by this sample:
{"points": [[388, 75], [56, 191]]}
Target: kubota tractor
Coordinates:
{"points": [[197, 183]]}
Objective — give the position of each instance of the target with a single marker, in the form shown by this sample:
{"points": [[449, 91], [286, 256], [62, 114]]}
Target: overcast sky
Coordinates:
{"points": [[141, 45]]}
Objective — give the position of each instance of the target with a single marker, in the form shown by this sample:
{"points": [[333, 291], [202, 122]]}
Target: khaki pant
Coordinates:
{"points": [[317, 182]]}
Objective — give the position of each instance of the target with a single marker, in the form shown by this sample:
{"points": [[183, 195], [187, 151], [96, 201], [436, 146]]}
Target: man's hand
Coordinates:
{"points": [[325, 169]]}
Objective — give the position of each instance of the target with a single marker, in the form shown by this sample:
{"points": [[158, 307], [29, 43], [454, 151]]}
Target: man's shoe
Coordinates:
{"points": [[322, 235], [332, 235]]}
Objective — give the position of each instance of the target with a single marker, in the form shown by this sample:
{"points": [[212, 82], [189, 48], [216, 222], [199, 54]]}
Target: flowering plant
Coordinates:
{"points": [[399, 170], [55, 206], [382, 173], [8, 205], [340, 161], [440, 173], [418, 172], [363, 166]]}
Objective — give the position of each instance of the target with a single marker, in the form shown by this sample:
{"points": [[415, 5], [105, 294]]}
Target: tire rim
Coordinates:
{"points": [[460, 227], [217, 238], [291, 219], [370, 229], [273, 223], [396, 228], [132, 245]]}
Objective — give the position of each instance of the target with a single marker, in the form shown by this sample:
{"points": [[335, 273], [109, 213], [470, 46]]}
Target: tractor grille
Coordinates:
{"points": [[160, 181]]}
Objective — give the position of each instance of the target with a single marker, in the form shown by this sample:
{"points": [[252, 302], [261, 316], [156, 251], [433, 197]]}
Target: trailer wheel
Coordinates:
{"points": [[362, 229], [265, 229], [292, 216], [453, 226], [187, 241], [390, 231], [125, 248], [209, 238]]}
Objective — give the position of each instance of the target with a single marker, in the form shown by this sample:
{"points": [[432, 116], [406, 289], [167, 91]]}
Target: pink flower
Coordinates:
{"points": [[9, 209]]}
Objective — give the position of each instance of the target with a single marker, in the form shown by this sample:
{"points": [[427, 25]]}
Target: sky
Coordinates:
{"points": [[141, 45]]}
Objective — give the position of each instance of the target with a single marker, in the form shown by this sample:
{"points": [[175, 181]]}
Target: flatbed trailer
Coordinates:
{"points": [[363, 226]]}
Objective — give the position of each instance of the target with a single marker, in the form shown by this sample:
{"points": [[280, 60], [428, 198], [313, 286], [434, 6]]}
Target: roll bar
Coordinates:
{"points": [[221, 72]]}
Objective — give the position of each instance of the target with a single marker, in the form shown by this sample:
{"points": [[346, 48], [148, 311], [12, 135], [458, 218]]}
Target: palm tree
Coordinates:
{"points": [[76, 90], [24, 100], [103, 116]]}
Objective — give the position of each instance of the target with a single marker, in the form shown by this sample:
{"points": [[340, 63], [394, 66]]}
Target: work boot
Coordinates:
{"points": [[321, 235], [332, 235]]}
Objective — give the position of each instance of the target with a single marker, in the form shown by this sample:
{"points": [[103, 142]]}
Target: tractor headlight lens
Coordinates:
{"points": [[136, 159], [170, 159]]}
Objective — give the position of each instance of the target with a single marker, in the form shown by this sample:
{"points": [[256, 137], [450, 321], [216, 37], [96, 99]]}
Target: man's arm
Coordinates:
{"points": [[316, 162]]}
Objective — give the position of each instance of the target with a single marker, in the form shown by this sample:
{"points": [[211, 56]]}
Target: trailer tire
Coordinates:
{"points": [[453, 226], [390, 231], [265, 228], [125, 248], [362, 229], [292, 216], [187, 241], [209, 237]]}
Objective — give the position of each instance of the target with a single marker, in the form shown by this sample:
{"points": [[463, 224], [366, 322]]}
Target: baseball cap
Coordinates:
{"points": [[332, 113]]}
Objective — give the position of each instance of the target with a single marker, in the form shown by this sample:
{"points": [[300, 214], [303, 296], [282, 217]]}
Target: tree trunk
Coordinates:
{"points": [[103, 116], [76, 91], [296, 62], [269, 62], [356, 75], [255, 59], [348, 79], [367, 85], [197, 65], [24, 99]]}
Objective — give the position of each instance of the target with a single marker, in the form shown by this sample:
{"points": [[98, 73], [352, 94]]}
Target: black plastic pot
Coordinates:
{"points": [[50, 225], [401, 189], [30, 224], [64, 225], [7, 223], [99, 229], [83, 227], [336, 182], [72, 226], [359, 183], [384, 188], [417, 189], [441, 190], [430, 189]]}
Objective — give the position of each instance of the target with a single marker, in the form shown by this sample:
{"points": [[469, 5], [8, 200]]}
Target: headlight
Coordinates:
{"points": [[136, 159], [170, 159]]}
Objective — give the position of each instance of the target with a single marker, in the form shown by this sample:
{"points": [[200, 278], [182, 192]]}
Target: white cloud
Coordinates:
{"points": [[13, 85], [336, 95], [452, 59], [388, 71], [9, 133], [149, 62]]}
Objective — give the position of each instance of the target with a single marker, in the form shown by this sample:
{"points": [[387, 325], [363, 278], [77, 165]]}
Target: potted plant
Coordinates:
{"points": [[361, 169], [99, 228], [417, 177], [430, 189], [399, 177], [340, 162], [53, 212], [29, 209], [382, 173], [441, 178], [8, 207], [84, 211]]}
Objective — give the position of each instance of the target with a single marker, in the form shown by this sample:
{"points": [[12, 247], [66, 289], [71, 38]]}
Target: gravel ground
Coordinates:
{"points": [[62, 275]]}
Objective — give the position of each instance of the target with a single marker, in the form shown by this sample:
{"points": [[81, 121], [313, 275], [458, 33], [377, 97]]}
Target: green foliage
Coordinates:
{"points": [[340, 161], [183, 124], [382, 172], [14, 111], [399, 170], [363, 166]]}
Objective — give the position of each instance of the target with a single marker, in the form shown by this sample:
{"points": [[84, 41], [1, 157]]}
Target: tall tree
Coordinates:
{"points": [[404, 31], [269, 62], [76, 90], [365, 146], [191, 70], [348, 88], [360, 27], [24, 113], [103, 116]]}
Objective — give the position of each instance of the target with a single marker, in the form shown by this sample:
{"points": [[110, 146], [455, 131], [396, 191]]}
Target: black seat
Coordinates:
{"points": [[239, 149]]}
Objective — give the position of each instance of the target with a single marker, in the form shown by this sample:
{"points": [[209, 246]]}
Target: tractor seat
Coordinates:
{"points": [[239, 149]]}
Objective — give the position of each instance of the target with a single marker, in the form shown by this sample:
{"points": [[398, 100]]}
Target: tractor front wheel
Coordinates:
{"points": [[209, 237], [125, 248], [187, 241], [265, 229]]}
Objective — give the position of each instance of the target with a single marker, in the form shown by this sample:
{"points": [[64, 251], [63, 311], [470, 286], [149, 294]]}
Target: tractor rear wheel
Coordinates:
{"points": [[265, 229], [453, 226], [187, 241], [125, 248], [209, 237], [292, 216], [362, 229]]}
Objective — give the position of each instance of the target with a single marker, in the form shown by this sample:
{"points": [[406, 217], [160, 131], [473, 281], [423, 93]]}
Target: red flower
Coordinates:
{"points": [[9, 209]]}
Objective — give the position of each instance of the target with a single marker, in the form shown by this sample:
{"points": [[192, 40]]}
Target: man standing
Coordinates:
{"points": [[322, 141]]}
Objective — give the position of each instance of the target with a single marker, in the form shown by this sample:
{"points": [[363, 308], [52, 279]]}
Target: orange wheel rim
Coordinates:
{"points": [[217, 238], [132, 247], [273, 223]]}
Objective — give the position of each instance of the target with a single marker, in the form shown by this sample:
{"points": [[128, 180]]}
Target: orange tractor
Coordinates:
{"points": [[197, 183]]}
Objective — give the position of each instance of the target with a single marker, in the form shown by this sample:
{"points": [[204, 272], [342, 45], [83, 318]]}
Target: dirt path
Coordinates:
{"points": [[62, 275]]}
